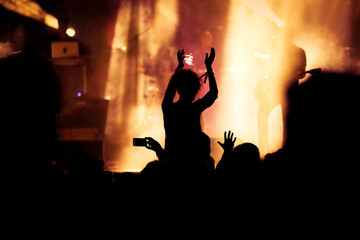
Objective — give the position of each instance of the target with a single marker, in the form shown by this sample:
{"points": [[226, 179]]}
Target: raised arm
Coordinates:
{"points": [[228, 145], [156, 147], [171, 88], [180, 57], [213, 90], [212, 95]]}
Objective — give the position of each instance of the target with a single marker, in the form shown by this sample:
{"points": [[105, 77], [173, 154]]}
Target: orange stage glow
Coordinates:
{"points": [[251, 27], [32, 10], [134, 110]]}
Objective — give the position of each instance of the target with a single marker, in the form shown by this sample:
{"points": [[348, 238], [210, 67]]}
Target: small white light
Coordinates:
{"points": [[79, 94], [189, 59], [70, 32]]}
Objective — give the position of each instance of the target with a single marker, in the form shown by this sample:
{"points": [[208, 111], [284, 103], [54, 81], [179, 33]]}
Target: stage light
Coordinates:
{"points": [[189, 59], [123, 48], [78, 94], [30, 9], [51, 21], [120, 47], [70, 32]]}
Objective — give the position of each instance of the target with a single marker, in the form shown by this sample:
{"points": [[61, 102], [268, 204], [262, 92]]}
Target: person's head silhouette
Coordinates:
{"points": [[188, 84]]}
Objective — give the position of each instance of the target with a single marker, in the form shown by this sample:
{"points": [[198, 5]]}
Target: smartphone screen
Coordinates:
{"points": [[139, 142]]}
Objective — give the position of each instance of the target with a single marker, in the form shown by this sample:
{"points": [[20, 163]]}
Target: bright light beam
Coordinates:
{"points": [[32, 10], [140, 34], [247, 39], [263, 8]]}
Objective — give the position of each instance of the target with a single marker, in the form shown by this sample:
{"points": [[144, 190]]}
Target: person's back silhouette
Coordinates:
{"points": [[182, 118]]}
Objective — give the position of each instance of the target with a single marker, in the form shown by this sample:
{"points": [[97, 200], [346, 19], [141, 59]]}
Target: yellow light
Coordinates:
{"points": [[30, 9], [70, 32], [51, 21], [120, 46]]}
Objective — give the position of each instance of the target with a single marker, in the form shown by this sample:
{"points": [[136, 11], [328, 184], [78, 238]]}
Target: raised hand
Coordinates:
{"points": [[153, 144], [181, 57], [210, 59], [229, 142]]}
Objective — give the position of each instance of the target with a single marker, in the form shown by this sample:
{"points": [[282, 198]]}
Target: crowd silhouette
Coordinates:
{"points": [[319, 155]]}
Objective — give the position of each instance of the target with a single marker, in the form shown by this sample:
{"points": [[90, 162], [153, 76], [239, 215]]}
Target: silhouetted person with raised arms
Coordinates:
{"points": [[182, 118]]}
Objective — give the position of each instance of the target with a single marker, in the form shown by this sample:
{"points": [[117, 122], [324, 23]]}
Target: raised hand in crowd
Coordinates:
{"points": [[154, 145], [229, 141], [209, 59], [180, 57]]}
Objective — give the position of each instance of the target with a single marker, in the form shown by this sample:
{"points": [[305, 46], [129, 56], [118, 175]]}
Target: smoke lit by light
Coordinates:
{"points": [[256, 54], [132, 112], [246, 55], [263, 8], [248, 44]]}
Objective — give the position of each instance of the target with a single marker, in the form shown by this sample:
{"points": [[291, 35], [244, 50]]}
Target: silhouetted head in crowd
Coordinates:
{"points": [[244, 159], [242, 162], [155, 170], [188, 84], [246, 154]]}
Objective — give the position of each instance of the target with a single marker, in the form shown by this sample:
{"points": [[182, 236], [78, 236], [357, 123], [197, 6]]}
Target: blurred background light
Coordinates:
{"points": [[70, 32], [32, 10]]}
